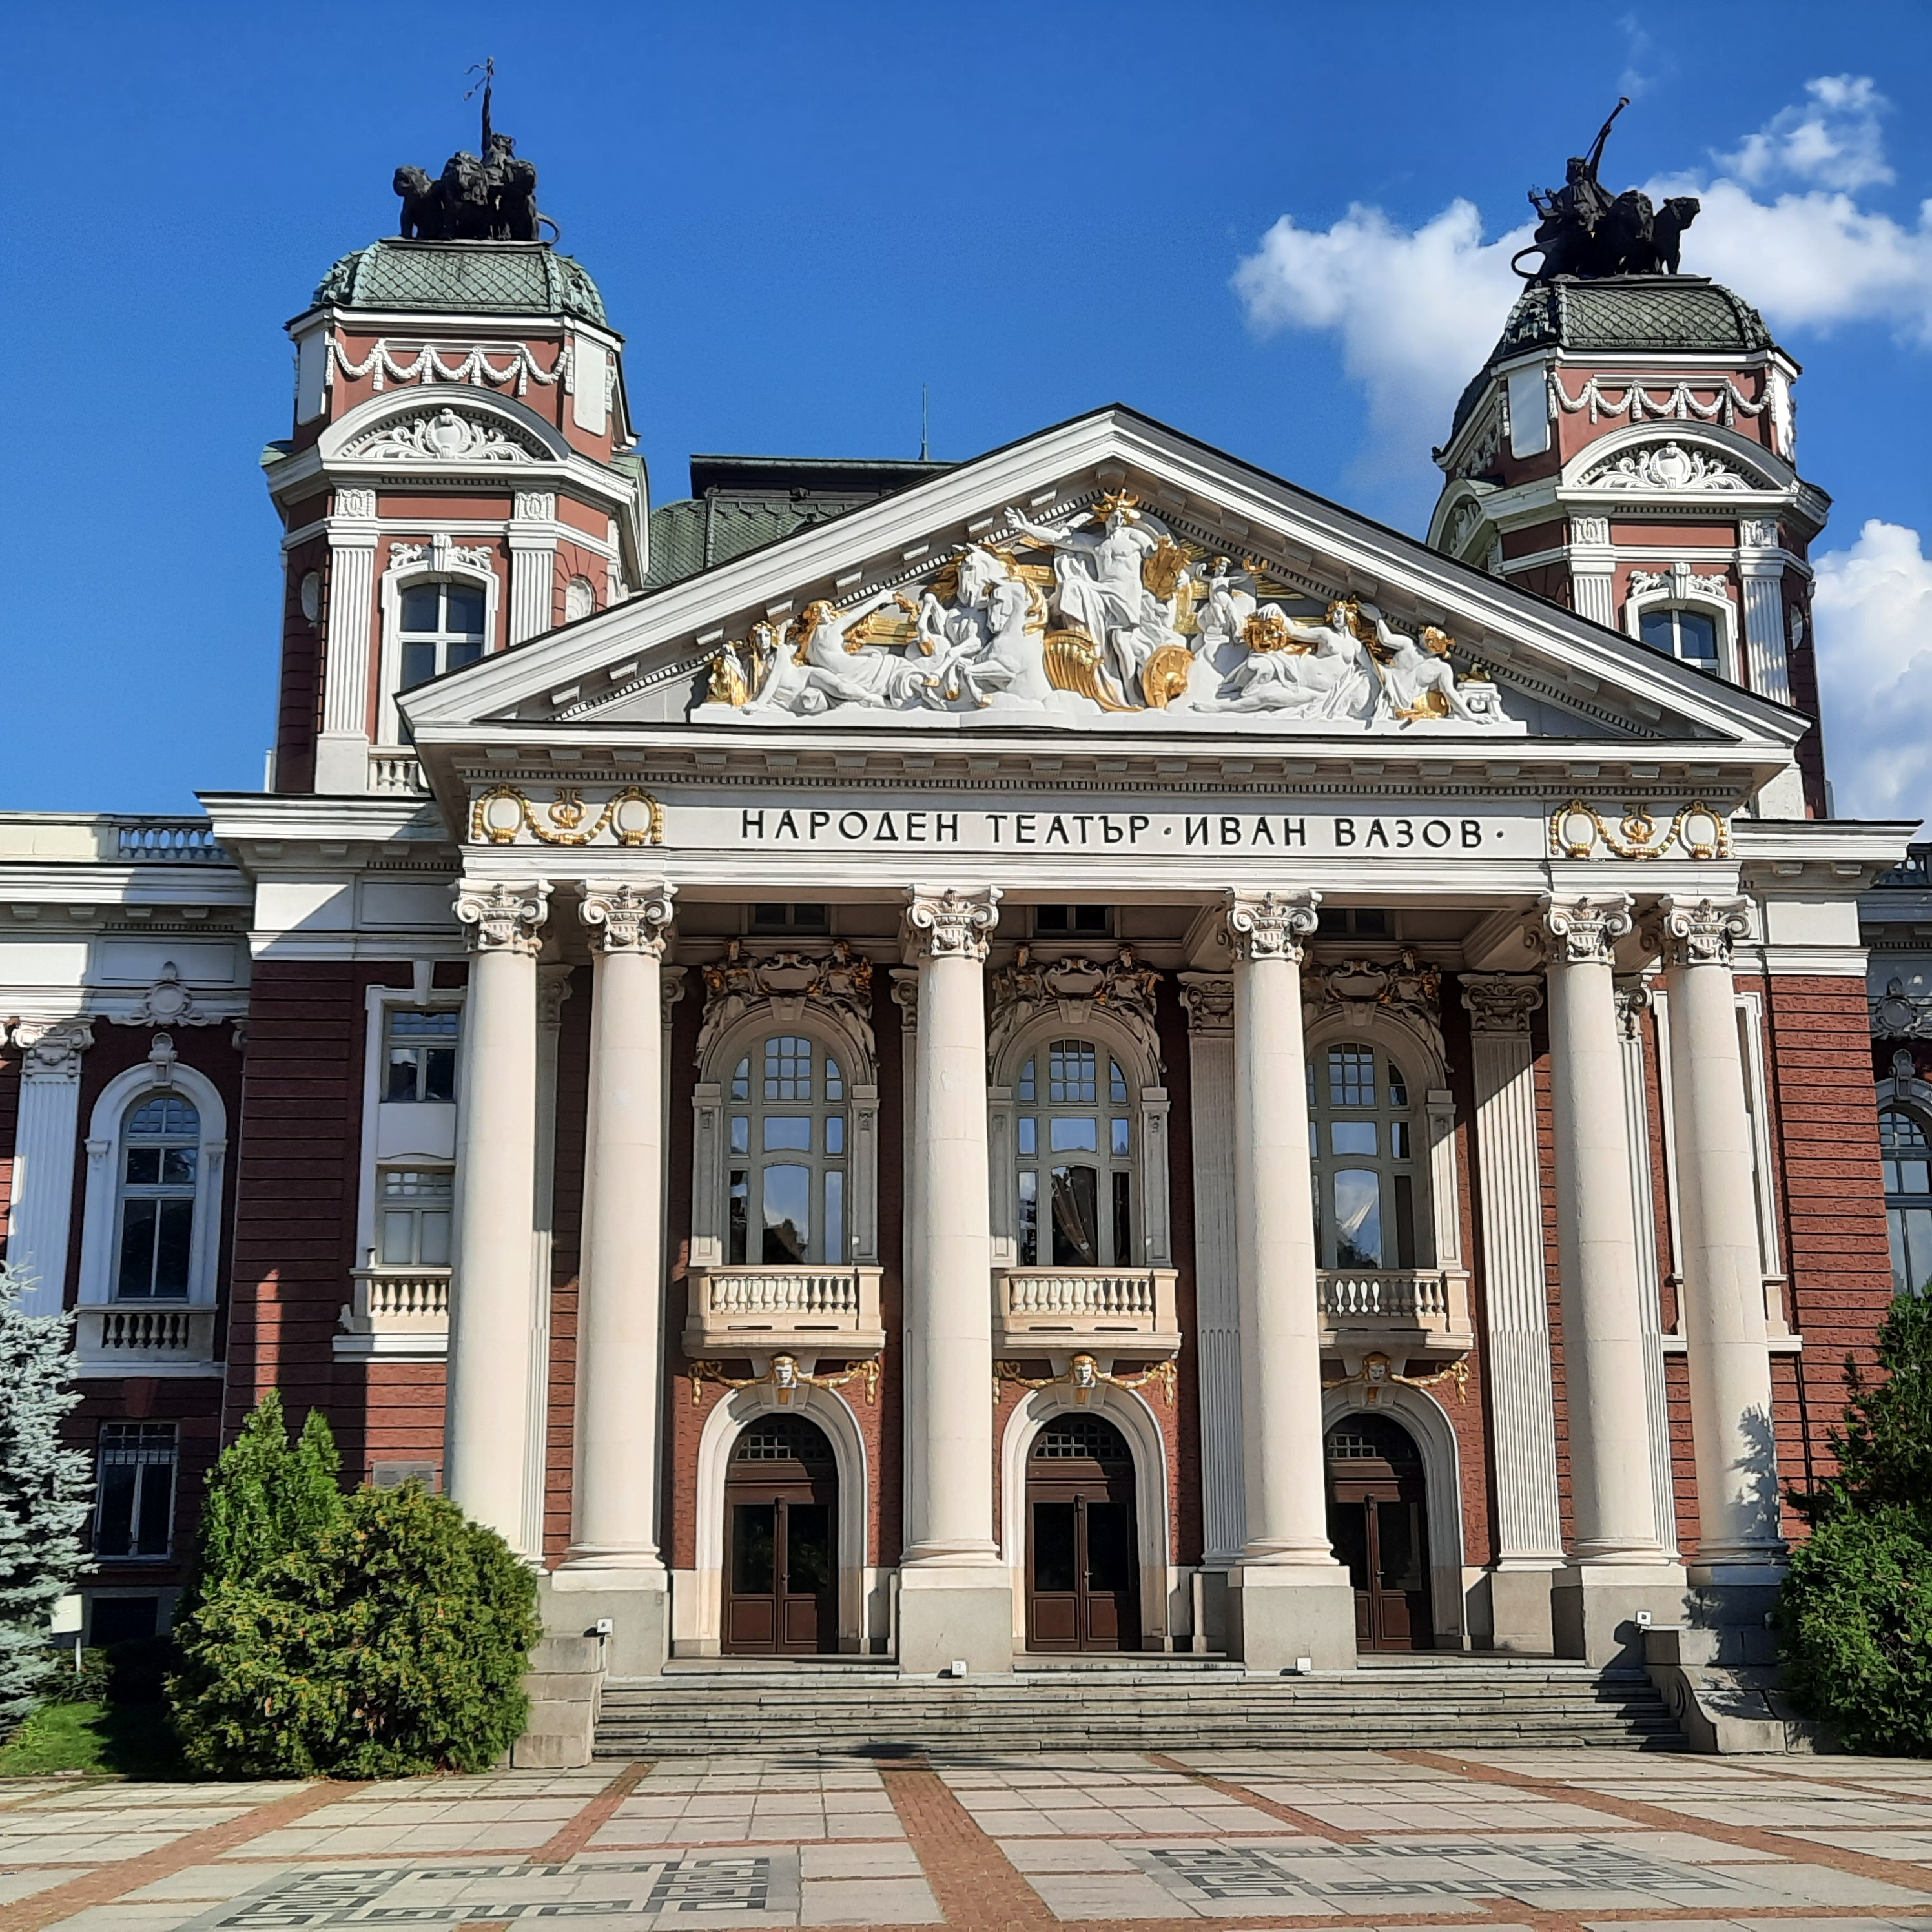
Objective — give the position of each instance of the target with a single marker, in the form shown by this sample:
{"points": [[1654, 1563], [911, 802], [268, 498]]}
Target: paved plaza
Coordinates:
{"points": [[1593, 1841]]}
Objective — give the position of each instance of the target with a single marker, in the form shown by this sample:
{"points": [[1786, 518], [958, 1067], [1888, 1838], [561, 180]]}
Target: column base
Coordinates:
{"points": [[1519, 1609], [955, 1615], [341, 763], [1593, 1608], [638, 1602], [1280, 1613]]}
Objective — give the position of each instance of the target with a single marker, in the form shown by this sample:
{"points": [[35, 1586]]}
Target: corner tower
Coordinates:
{"points": [[459, 478], [1629, 450]]}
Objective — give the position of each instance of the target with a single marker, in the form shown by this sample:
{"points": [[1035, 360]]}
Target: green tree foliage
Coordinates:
{"points": [[45, 1491], [393, 1645], [1855, 1616]]}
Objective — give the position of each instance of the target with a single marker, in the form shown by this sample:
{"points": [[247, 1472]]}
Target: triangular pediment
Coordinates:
{"points": [[1112, 576]]}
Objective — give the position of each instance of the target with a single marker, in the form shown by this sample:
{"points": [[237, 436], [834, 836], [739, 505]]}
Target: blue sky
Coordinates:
{"points": [[799, 215]]}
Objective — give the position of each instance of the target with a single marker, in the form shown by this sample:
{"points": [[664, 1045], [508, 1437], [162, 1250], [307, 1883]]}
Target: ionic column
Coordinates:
{"points": [[1722, 1294], [342, 745], [487, 1430], [1515, 1301], [621, 1316], [42, 1210], [1616, 1561], [1288, 1598], [955, 1601]]}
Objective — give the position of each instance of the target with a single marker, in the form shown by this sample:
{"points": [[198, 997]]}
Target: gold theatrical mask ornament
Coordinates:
{"points": [[1084, 1375], [501, 814], [1378, 1373], [1699, 831], [784, 1377]]}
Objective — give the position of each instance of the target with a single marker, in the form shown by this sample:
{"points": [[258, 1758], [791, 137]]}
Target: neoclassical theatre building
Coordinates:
{"points": [[1079, 1051]]}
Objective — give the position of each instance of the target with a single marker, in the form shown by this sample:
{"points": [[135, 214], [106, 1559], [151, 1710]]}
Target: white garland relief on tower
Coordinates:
{"points": [[1095, 611], [446, 436], [1677, 404], [427, 366]]}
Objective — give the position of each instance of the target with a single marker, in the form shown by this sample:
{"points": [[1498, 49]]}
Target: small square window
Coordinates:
{"points": [[1072, 922], [779, 916], [419, 1053]]}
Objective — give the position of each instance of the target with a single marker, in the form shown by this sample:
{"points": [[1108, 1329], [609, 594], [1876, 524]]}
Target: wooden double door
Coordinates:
{"points": [[1083, 1543], [1378, 1523], [781, 1542]]}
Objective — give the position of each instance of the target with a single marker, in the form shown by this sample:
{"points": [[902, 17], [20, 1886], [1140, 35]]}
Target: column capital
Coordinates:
{"points": [[948, 924], [1209, 998], [1268, 926], [1501, 1002], [1633, 1001], [1698, 932], [502, 917], [553, 989], [1585, 929], [51, 1049], [627, 916]]}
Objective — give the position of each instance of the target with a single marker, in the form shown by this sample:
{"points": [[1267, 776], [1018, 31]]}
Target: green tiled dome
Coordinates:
{"points": [[1679, 315], [498, 277]]}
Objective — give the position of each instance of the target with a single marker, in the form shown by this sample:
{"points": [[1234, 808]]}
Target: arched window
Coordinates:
{"points": [[160, 1152], [1691, 635], [440, 627], [1908, 1197], [1363, 1136], [787, 1156], [1074, 1143]]}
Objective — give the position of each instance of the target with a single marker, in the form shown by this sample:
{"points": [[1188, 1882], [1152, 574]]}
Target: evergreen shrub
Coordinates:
{"points": [[377, 1635], [1855, 1616], [46, 1495]]}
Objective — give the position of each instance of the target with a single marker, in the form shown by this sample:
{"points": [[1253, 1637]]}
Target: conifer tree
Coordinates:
{"points": [[1885, 1451], [45, 1491]]}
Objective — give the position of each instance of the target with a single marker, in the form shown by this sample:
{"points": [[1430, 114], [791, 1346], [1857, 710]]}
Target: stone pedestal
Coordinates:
{"points": [[1593, 1607], [1278, 1614], [952, 1615]]}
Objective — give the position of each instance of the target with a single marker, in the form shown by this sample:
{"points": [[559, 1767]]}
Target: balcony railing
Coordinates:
{"points": [[118, 1340], [397, 1311], [1431, 1303], [178, 841], [395, 772], [1057, 1309], [827, 1310]]}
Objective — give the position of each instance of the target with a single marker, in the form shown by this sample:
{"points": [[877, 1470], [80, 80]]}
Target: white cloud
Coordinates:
{"points": [[1416, 309], [1873, 606], [1833, 139]]}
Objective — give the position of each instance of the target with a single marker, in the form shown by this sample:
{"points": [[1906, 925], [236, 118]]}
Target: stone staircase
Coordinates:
{"points": [[862, 1707]]}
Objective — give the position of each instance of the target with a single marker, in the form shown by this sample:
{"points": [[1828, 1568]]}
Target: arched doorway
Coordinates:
{"points": [[781, 1541], [1083, 1548], [1378, 1523]]}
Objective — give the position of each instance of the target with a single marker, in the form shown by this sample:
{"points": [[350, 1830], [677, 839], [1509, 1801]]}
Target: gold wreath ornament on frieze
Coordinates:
{"points": [[1700, 830], [502, 814]]}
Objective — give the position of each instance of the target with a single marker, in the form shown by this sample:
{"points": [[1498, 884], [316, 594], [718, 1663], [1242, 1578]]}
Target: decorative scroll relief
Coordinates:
{"points": [[1898, 1015], [625, 917], [1359, 991], [1578, 830], [1681, 580], [447, 436], [1100, 612], [1084, 1375], [1121, 988], [840, 981], [504, 918], [1678, 404], [1269, 925], [1585, 930], [506, 815], [440, 553], [1668, 467], [787, 1380], [949, 924], [1698, 932]]}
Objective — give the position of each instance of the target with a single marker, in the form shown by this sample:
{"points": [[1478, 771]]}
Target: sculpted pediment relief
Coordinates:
{"points": [[1099, 609]]}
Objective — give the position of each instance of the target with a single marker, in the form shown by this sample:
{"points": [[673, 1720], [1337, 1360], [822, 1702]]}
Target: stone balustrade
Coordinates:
{"points": [[123, 1339], [396, 1312], [821, 1309], [1430, 1305], [1071, 1308]]}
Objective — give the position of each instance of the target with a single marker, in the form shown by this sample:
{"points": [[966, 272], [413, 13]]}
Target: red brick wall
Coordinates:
{"points": [[1818, 1039]]}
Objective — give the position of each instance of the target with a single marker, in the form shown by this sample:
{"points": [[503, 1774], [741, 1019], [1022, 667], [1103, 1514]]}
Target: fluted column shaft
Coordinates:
{"points": [[41, 1212], [1274, 1237], [486, 1430], [613, 1519], [949, 1329], [1721, 1264], [1613, 1511]]}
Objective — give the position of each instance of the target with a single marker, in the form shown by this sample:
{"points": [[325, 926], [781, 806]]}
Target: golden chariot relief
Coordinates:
{"points": [[1102, 610]]}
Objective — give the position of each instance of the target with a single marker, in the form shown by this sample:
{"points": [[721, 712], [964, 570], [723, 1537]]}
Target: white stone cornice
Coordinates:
{"points": [[1585, 930], [628, 917], [503, 918], [948, 923], [1268, 926]]}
